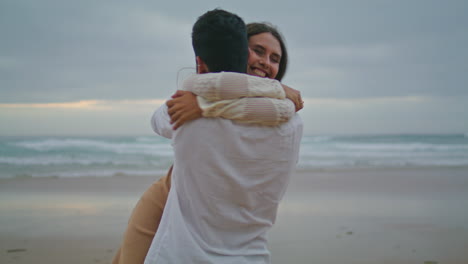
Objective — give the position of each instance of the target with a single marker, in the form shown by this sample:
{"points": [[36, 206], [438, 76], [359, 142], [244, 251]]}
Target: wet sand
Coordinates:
{"points": [[356, 216]]}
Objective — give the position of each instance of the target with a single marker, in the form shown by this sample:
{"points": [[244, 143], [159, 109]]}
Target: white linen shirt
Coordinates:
{"points": [[227, 182]]}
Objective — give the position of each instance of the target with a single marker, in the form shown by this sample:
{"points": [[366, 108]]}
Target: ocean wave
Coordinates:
{"points": [[155, 149], [148, 139], [380, 155], [366, 163], [106, 156], [60, 160], [316, 139], [401, 147], [93, 173]]}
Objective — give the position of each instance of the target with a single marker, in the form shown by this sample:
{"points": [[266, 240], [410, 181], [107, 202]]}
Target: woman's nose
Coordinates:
{"points": [[265, 62]]}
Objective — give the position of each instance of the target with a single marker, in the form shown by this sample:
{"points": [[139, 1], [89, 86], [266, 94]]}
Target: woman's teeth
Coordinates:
{"points": [[259, 73]]}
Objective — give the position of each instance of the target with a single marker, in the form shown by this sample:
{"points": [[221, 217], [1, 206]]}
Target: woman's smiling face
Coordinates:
{"points": [[264, 55]]}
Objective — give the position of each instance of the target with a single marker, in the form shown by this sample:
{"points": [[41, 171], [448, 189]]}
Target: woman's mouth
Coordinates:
{"points": [[259, 72]]}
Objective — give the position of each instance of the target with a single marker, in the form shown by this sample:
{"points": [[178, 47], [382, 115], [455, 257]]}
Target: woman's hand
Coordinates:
{"points": [[182, 108], [294, 96]]}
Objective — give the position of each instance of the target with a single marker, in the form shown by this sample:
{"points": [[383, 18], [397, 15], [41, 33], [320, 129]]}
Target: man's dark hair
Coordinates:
{"points": [[219, 38]]}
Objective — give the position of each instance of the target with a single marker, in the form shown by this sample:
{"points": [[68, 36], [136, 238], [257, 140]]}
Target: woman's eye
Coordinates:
{"points": [[258, 51]]}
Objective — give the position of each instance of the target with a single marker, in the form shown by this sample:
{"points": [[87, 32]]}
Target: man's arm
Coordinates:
{"points": [[161, 122]]}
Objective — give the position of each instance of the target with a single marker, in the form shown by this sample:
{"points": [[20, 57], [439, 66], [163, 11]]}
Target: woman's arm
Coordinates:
{"points": [[232, 85], [259, 110], [216, 98]]}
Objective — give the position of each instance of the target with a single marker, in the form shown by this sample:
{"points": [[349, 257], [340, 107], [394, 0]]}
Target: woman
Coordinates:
{"points": [[267, 58]]}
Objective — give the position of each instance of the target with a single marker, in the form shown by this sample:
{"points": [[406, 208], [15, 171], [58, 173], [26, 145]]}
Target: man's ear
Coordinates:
{"points": [[201, 66]]}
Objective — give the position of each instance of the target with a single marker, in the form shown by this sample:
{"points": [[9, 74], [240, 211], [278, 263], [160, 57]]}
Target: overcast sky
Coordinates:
{"points": [[102, 67]]}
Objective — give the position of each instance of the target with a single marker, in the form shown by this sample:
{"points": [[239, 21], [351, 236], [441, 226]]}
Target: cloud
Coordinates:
{"points": [[354, 59], [90, 50], [407, 114], [335, 102], [90, 105], [350, 54], [90, 117], [390, 115], [404, 67], [68, 51], [9, 63]]}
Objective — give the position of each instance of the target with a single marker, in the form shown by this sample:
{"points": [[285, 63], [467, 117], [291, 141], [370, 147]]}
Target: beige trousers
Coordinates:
{"points": [[143, 223]]}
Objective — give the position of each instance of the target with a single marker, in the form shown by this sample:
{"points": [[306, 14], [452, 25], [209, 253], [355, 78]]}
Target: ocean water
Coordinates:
{"points": [[152, 155]]}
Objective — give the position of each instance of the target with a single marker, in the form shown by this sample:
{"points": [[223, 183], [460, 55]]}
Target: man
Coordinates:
{"points": [[228, 178]]}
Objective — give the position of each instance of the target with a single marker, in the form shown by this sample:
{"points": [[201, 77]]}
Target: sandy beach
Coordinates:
{"points": [[413, 215]]}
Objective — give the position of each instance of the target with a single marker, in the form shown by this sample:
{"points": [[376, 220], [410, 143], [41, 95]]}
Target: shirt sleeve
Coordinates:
{"points": [[160, 122], [232, 85], [259, 110]]}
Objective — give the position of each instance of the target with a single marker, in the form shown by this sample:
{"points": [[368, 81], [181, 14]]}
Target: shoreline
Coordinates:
{"points": [[382, 179], [159, 173]]}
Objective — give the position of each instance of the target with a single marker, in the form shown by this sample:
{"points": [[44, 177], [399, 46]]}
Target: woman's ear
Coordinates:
{"points": [[201, 66]]}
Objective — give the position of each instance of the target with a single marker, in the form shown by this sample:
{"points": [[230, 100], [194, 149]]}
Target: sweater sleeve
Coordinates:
{"points": [[259, 110], [231, 85]]}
